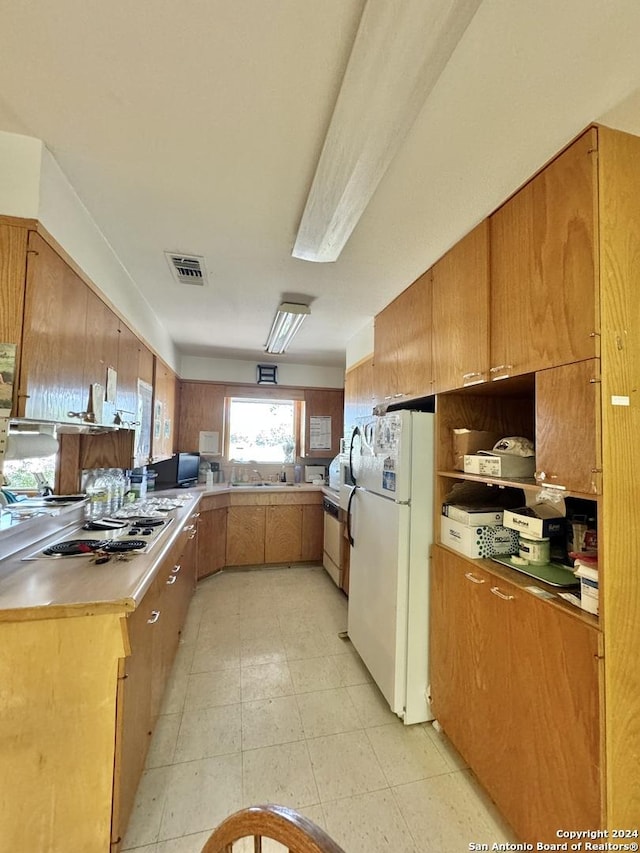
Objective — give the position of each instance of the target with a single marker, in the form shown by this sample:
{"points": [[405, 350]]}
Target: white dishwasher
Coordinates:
{"points": [[333, 540]]}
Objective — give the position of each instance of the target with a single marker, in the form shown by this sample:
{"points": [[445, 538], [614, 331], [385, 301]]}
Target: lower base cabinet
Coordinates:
{"points": [[274, 529], [212, 535], [152, 635], [515, 686]]}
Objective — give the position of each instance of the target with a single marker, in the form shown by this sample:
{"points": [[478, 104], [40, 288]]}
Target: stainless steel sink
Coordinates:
{"points": [[262, 485]]}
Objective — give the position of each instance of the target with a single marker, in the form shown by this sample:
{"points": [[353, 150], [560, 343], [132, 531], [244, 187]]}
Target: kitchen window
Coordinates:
{"points": [[262, 430]]}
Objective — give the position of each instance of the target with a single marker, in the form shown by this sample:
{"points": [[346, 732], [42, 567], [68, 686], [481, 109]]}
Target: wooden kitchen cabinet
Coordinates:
{"points": [[358, 393], [164, 411], [323, 403], [283, 534], [402, 362], [212, 534], [274, 527], [13, 268], [100, 355], [134, 715], [312, 532], [245, 535], [201, 410], [515, 685], [153, 631], [135, 361], [544, 276], [460, 304], [53, 339], [568, 439]]}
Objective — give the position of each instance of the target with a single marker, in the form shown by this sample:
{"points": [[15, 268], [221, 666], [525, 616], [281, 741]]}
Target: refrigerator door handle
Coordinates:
{"points": [[349, 534], [355, 432]]}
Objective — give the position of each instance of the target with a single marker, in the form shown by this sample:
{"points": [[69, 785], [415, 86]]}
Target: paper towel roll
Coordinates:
{"points": [[30, 445]]}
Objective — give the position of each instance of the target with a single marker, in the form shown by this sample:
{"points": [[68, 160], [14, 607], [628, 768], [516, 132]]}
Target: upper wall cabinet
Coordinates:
{"points": [[544, 277], [358, 393], [51, 384], [402, 368], [460, 304], [201, 410], [323, 422], [164, 409]]}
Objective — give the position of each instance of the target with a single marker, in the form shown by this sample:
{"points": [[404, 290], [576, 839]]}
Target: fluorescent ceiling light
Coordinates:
{"points": [[399, 52], [289, 317]]}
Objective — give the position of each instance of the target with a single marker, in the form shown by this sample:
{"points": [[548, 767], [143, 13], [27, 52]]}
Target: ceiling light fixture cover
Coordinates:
{"points": [[399, 52], [289, 317]]}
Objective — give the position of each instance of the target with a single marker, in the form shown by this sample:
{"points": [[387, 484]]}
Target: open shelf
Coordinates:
{"points": [[527, 485]]}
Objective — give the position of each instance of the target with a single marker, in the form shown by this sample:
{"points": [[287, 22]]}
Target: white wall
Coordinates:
{"points": [[360, 345], [230, 370], [67, 220], [20, 158], [32, 185]]}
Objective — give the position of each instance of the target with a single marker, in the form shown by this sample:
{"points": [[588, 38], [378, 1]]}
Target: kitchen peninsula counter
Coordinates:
{"points": [[51, 588]]}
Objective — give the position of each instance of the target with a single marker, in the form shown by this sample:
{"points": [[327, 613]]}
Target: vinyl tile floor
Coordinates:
{"points": [[266, 703]]}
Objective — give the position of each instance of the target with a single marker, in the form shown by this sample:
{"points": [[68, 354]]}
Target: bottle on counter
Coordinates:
{"points": [[98, 490]]}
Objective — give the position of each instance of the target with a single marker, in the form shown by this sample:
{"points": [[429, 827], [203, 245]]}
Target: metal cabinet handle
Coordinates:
{"points": [[188, 527], [474, 378], [496, 591], [176, 568], [172, 579], [155, 615], [471, 577]]}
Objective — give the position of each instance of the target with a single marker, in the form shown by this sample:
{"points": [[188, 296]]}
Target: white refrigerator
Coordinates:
{"points": [[390, 522]]}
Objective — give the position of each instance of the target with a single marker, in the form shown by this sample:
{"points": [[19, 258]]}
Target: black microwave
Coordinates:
{"points": [[179, 471]]}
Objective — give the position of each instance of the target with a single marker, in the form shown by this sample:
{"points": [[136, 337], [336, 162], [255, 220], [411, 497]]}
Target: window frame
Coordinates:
{"points": [[268, 399]]}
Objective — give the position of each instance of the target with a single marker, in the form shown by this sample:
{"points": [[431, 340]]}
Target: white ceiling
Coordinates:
{"points": [[195, 126]]}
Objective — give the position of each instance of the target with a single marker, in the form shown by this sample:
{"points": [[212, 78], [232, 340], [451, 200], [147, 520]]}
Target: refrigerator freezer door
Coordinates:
{"points": [[378, 591]]}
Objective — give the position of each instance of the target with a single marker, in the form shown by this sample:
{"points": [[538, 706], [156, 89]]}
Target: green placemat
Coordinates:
{"points": [[554, 574]]}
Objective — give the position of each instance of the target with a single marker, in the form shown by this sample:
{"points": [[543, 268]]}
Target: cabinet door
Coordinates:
{"points": [[101, 353], [134, 723], [53, 344], [13, 268], [464, 649], [312, 532], [127, 387], [283, 536], [402, 363], [460, 300], [245, 535], [322, 403], [201, 409], [568, 441], [543, 267], [164, 402], [177, 580], [358, 393], [554, 728], [515, 684], [385, 352], [212, 541]]}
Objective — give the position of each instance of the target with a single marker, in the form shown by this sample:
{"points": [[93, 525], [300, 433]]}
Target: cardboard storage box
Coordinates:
{"points": [[467, 441], [588, 587], [473, 515], [543, 520], [511, 466], [477, 541]]}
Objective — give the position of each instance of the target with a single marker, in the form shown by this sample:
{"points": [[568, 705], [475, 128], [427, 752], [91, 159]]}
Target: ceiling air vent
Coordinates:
{"points": [[187, 269]]}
